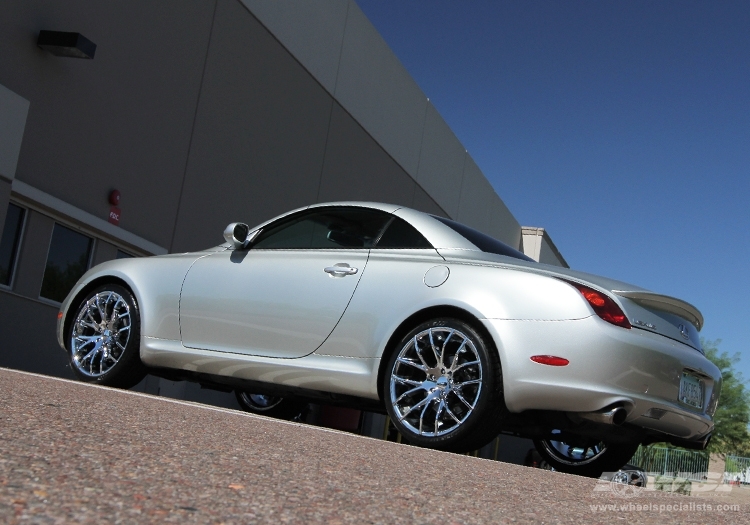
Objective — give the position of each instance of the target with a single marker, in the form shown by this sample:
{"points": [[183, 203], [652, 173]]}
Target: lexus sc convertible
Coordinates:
{"points": [[457, 336]]}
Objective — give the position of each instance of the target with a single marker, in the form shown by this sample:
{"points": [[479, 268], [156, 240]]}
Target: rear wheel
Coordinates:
{"points": [[271, 406], [585, 456], [443, 387], [104, 338]]}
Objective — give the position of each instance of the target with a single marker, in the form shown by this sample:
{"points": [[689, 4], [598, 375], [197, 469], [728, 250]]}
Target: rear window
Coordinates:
{"points": [[401, 234], [482, 241]]}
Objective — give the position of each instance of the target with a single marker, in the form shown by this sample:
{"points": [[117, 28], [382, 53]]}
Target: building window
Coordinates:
{"points": [[9, 242], [67, 260], [123, 255]]}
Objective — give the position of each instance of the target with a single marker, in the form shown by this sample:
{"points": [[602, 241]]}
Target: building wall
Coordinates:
{"points": [[172, 106], [537, 244], [13, 112]]}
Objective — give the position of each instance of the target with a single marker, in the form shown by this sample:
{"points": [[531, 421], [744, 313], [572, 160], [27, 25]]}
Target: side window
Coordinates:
{"points": [[123, 255], [67, 260], [483, 241], [325, 228], [9, 242], [401, 234], [290, 232]]}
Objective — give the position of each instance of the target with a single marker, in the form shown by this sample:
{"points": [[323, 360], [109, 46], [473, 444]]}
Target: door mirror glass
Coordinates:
{"points": [[236, 234]]}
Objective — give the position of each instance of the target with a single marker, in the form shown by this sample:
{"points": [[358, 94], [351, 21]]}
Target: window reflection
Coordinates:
{"points": [[9, 242], [67, 260], [325, 228]]}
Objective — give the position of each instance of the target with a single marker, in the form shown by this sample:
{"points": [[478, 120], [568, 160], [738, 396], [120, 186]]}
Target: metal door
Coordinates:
{"points": [[274, 303]]}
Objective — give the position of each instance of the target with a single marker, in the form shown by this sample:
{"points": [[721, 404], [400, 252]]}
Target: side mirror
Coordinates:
{"points": [[236, 234]]}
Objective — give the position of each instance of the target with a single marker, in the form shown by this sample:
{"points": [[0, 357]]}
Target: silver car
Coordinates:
{"points": [[457, 336]]}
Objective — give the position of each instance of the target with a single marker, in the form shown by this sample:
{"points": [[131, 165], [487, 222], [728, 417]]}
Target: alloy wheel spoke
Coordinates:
{"points": [[412, 363], [427, 399], [100, 309], [459, 351], [463, 365], [85, 324], [464, 383], [409, 392], [408, 381], [419, 353], [88, 338], [421, 418], [463, 400], [92, 353], [451, 414], [441, 406], [438, 358]]}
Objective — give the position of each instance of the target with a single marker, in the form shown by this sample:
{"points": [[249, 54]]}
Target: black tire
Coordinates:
{"points": [[585, 457], [459, 400], [272, 406], [104, 339]]}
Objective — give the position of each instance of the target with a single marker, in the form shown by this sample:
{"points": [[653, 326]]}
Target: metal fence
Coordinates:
{"points": [[689, 464], [736, 469]]}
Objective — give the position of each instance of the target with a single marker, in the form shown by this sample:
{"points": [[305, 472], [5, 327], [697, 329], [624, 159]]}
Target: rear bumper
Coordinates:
{"points": [[609, 365]]}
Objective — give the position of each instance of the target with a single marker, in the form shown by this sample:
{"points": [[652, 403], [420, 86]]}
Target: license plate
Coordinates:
{"points": [[691, 390]]}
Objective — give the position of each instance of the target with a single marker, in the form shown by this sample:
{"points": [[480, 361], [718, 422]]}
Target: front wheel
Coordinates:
{"points": [[443, 387], [272, 406], [104, 338], [585, 456]]}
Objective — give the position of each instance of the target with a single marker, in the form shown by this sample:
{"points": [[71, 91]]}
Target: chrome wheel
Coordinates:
{"points": [[573, 455], [100, 333], [260, 402], [271, 406], [436, 381], [584, 456]]}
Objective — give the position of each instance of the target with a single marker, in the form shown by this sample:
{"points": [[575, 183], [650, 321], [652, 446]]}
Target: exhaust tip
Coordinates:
{"points": [[619, 415], [614, 416]]}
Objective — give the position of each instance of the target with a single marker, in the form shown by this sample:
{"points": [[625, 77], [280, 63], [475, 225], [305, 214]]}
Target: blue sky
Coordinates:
{"points": [[623, 128]]}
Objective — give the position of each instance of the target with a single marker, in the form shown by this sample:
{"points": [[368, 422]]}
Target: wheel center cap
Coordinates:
{"points": [[442, 382]]}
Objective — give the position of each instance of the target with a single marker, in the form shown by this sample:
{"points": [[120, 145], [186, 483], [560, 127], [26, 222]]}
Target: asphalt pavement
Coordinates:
{"points": [[76, 453]]}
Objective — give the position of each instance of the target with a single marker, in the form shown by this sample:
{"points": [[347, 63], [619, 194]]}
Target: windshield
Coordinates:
{"points": [[482, 241]]}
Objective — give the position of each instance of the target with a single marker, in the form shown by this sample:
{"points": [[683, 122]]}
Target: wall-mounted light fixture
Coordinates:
{"points": [[62, 44]]}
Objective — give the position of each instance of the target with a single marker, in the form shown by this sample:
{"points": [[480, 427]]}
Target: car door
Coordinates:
{"points": [[284, 295]]}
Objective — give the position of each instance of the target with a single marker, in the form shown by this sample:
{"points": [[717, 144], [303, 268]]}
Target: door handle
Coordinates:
{"points": [[340, 270]]}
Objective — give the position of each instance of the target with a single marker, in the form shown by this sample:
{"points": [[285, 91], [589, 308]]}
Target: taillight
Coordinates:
{"points": [[603, 306]]}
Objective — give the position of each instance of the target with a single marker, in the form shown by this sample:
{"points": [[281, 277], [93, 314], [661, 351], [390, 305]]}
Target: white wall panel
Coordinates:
{"points": [[441, 162], [379, 93], [312, 31]]}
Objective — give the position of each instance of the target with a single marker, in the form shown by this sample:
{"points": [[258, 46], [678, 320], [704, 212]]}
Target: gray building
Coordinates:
{"points": [[203, 113]]}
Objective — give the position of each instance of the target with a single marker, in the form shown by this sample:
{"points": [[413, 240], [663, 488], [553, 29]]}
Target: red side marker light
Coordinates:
{"points": [[59, 315], [550, 360]]}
